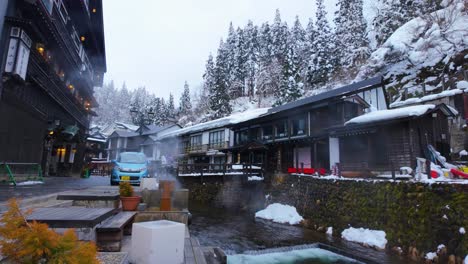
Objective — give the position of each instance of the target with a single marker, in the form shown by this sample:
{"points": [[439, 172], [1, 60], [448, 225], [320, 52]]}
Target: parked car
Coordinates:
{"points": [[130, 167]]}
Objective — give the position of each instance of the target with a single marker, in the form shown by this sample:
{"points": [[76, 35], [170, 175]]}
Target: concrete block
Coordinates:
{"points": [[149, 184], [157, 242]]}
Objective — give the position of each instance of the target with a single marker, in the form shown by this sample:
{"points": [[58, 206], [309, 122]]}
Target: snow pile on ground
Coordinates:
{"points": [[29, 183], [463, 153], [254, 178], [383, 115], [426, 98], [280, 213], [221, 122], [373, 238], [329, 231], [462, 230], [310, 255]]}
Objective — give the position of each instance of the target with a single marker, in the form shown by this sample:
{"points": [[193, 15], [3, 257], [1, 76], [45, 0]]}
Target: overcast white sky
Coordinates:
{"points": [[161, 43]]}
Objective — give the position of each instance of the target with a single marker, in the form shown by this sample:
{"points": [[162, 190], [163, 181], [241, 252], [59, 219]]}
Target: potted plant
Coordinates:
{"points": [[129, 201]]}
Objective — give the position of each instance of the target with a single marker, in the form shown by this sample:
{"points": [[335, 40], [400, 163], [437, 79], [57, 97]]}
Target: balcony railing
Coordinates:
{"points": [[50, 82], [201, 169], [218, 145]]}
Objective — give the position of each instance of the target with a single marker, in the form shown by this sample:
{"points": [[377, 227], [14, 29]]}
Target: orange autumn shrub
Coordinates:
{"points": [[32, 242]]}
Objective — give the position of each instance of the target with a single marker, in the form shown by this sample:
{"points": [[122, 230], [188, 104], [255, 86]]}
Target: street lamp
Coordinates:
{"points": [[142, 118]]}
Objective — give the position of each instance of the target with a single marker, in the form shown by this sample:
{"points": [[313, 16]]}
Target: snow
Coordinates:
{"points": [[293, 256], [431, 255], [462, 230], [466, 260], [29, 183], [421, 42], [383, 115], [240, 167], [463, 153], [462, 85], [373, 238], [427, 98], [96, 139], [217, 123], [280, 213], [407, 169], [445, 217], [254, 178], [440, 247], [329, 231]]}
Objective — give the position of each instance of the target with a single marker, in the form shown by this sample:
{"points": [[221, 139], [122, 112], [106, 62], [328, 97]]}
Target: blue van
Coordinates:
{"points": [[130, 167]]}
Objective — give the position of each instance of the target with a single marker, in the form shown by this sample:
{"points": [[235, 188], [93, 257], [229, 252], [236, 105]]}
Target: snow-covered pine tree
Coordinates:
{"points": [[219, 98], [171, 112], [265, 47], [185, 105], [238, 72], [297, 42], [230, 50], [251, 48], [163, 118], [321, 62], [352, 45], [291, 87], [279, 37]]}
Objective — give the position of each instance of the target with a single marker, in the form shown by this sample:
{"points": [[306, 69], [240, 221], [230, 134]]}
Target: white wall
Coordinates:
{"points": [[303, 155], [334, 147]]}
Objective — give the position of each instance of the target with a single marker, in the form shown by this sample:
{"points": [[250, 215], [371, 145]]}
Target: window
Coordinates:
{"points": [[256, 133], [299, 126], [62, 11], [216, 139], [48, 4], [268, 132], [242, 136], [195, 142], [282, 129]]}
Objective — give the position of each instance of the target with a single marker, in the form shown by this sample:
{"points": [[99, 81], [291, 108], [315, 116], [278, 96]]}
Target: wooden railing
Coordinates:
{"points": [[202, 169], [204, 148]]}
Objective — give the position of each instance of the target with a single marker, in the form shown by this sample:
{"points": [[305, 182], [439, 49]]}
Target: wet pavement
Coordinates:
{"points": [[51, 185]]}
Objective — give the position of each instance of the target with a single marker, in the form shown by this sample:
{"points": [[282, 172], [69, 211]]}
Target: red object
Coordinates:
{"points": [[292, 170], [309, 170], [459, 173], [434, 174], [322, 171]]}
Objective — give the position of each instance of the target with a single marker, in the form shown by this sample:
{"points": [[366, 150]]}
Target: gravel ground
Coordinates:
{"points": [[113, 257]]}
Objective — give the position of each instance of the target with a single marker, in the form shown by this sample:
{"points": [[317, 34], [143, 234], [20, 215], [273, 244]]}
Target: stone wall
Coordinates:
{"points": [[229, 192], [416, 217]]}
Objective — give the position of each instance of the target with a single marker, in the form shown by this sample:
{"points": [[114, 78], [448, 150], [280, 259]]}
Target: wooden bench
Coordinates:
{"points": [[109, 233]]}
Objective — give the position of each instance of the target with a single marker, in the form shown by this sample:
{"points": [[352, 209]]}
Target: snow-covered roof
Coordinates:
{"points": [[217, 123], [426, 98], [127, 126], [96, 139], [384, 115]]}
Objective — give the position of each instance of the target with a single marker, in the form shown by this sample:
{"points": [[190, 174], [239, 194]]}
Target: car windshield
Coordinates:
{"points": [[132, 158]]}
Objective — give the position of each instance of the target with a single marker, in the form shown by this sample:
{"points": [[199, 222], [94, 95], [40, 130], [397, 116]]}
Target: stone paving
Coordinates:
{"points": [[51, 185]]}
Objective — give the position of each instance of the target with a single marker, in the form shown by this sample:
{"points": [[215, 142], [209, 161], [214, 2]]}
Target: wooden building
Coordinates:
{"points": [[297, 135], [53, 55]]}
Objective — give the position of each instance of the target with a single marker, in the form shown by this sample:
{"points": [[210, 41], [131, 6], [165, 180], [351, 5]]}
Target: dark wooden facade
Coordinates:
{"points": [[53, 55], [386, 146], [296, 135]]}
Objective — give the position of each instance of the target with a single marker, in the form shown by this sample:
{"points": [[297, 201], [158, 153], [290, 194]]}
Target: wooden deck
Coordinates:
{"points": [[70, 217], [193, 253], [91, 194]]}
